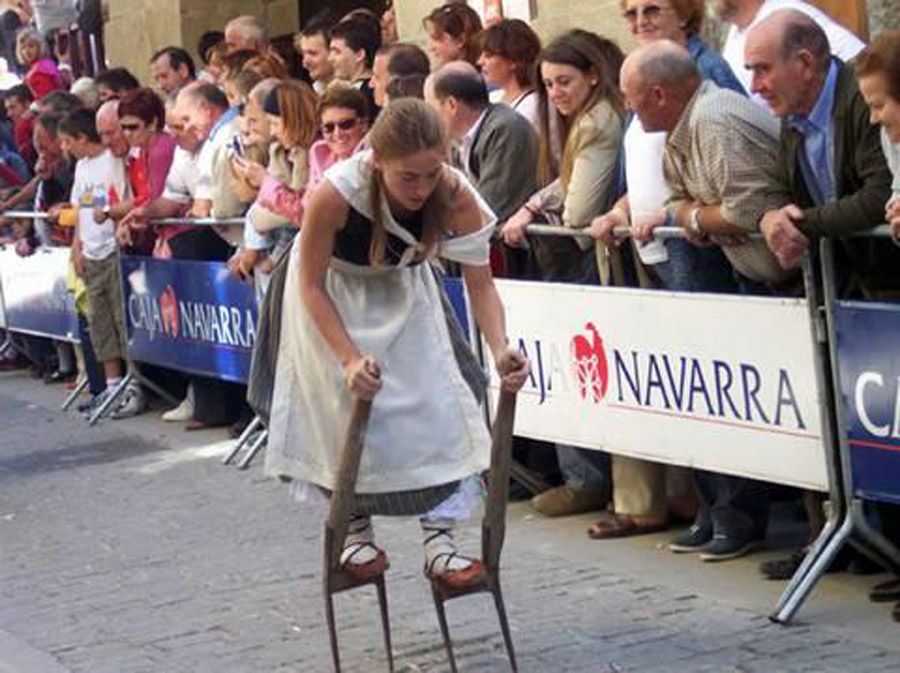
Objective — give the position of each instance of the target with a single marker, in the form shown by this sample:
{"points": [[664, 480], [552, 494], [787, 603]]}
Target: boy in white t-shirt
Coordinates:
{"points": [[100, 183]]}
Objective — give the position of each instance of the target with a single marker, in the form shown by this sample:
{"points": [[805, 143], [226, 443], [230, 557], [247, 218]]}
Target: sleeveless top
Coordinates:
{"points": [[353, 240]]}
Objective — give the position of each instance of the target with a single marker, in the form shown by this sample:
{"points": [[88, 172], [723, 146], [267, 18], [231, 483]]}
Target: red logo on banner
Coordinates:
{"points": [[168, 308], [589, 364]]}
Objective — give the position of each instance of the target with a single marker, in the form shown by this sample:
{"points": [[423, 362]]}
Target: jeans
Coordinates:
{"points": [[693, 269], [584, 469]]}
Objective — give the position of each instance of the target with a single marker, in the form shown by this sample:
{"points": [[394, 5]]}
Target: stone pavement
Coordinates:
{"points": [[129, 548]]}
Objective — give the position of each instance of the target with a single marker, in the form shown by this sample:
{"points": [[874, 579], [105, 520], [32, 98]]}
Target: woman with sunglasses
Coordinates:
{"points": [[647, 495], [142, 118], [453, 33], [343, 123]]}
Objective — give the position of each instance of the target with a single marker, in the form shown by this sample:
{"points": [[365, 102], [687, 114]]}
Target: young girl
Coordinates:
{"points": [[453, 33], [364, 317]]}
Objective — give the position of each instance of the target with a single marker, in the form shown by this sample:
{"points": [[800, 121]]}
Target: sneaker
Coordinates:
{"points": [[183, 412], [726, 547], [693, 540], [563, 501], [131, 404]]}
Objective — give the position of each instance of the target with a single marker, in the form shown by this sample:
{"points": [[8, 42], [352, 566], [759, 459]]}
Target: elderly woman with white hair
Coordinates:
{"points": [[86, 90]]}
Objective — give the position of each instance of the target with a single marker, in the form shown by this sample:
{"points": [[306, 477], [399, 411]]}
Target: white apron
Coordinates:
{"points": [[426, 428]]}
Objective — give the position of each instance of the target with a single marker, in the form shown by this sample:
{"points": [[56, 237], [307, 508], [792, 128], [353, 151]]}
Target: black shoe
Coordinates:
{"points": [[885, 592], [693, 540], [727, 547], [57, 377], [783, 568]]}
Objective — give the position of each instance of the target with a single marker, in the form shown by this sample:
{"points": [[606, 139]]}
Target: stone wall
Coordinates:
{"points": [[883, 15], [137, 28]]}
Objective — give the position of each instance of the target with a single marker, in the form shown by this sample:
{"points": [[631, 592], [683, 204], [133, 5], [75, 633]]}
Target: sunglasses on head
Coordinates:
{"points": [[131, 126], [344, 125], [648, 11]]}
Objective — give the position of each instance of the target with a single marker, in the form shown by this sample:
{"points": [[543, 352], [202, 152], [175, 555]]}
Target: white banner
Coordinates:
{"points": [[719, 382], [35, 297]]}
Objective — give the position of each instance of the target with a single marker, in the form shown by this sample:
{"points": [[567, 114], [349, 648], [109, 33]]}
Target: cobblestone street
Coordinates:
{"points": [[130, 548]]}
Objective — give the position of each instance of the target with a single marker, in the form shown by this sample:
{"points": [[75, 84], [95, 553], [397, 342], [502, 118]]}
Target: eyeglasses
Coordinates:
{"points": [[651, 12], [132, 126], [344, 125]]}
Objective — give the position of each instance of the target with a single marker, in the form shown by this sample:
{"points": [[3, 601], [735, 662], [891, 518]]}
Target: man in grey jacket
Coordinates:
{"points": [[495, 146]]}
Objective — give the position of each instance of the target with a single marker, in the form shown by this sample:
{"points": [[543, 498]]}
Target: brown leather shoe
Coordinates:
{"points": [[563, 501]]}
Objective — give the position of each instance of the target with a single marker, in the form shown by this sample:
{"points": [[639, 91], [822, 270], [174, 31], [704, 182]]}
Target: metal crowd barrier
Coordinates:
{"points": [[594, 372]]}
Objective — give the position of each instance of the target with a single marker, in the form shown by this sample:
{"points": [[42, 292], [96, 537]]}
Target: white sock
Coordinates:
{"points": [[358, 549], [441, 553], [112, 384]]}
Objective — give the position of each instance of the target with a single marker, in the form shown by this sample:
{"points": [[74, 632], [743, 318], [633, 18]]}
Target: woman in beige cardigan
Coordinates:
{"points": [[582, 128], [582, 125]]}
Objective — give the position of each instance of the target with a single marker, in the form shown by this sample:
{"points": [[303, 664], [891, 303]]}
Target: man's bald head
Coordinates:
{"points": [[657, 82], [109, 130], [788, 56], [664, 64], [793, 32], [458, 92]]}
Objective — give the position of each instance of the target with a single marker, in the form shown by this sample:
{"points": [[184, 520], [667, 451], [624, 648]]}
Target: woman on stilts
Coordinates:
{"points": [[365, 316]]}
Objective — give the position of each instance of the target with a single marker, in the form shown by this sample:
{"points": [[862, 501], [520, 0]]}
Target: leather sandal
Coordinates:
{"points": [[456, 579], [368, 570], [611, 525]]}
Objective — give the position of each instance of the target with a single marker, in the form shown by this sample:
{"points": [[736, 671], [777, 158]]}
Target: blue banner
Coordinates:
{"points": [[195, 317], [36, 299], [868, 354], [456, 293]]}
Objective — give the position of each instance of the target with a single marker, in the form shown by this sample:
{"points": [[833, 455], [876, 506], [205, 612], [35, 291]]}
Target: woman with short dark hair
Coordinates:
{"points": [[509, 50]]}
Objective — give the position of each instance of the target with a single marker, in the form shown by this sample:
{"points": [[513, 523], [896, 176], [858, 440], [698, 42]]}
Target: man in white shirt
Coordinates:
{"points": [[745, 14]]}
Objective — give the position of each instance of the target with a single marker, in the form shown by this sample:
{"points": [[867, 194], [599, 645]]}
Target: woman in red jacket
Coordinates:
{"points": [[42, 76]]}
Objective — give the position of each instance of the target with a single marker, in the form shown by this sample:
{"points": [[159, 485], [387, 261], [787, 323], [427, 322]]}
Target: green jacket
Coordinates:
{"points": [[862, 181]]}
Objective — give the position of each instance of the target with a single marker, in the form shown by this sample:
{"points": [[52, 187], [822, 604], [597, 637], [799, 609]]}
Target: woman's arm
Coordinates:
{"points": [[325, 214], [486, 305], [277, 197]]}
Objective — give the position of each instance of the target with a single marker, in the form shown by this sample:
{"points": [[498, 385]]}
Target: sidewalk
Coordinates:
{"points": [[129, 548]]}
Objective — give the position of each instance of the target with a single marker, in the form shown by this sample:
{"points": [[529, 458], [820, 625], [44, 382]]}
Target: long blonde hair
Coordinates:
{"points": [[403, 128]]}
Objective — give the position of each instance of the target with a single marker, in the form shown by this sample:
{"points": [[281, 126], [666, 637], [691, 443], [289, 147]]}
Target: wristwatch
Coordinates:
{"points": [[694, 222], [106, 210]]}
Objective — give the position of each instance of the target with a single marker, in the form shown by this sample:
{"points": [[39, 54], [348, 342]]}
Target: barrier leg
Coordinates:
{"points": [[71, 397], [144, 381], [808, 576], [245, 435], [870, 541], [253, 450], [111, 399]]}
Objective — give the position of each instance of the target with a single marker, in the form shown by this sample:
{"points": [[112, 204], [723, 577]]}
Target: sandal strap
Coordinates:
{"points": [[438, 532], [450, 556], [358, 547]]}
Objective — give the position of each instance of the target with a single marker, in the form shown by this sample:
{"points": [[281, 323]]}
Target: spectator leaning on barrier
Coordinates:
{"points": [[509, 50], [581, 138], [312, 45], [493, 145], [743, 15], [351, 51], [645, 494], [100, 181], [172, 68], [142, 118], [453, 31], [206, 112], [878, 72], [42, 76], [831, 159], [831, 162], [114, 82], [719, 165]]}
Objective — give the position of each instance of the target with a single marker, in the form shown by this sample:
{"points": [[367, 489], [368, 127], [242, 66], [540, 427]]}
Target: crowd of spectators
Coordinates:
{"points": [[792, 131]]}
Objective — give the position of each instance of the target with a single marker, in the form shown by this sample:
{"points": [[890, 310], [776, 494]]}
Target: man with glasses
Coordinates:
{"points": [[743, 15]]}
